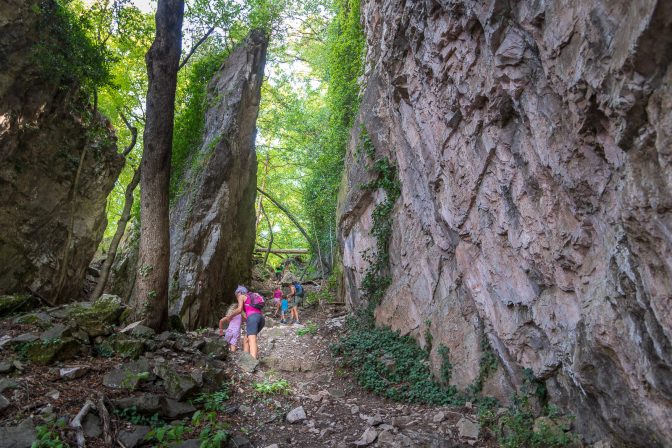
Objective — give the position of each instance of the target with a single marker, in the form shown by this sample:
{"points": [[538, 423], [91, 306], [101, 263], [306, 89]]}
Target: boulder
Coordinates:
{"points": [[41, 320], [218, 192], [126, 346], [247, 362], [6, 383], [129, 375], [174, 409], [97, 318], [177, 385], [20, 436], [46, 352], [6, 366], [134, 437], [92, 425], [10, 304], [535, 203], [50, 134], [215, 347]]}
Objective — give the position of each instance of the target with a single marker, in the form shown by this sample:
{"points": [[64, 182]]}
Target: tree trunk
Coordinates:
{"points": [[118, 234], [163, 58]]}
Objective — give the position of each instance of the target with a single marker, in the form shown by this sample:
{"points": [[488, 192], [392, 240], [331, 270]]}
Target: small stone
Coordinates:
{"points": [[6, 366], [6, 383], [4, 403], [367, 438], [177, 409], [439, 417], [468, 429], [53, 394], [238, 441], [337, 393], [142, 331], [71, 373], [469, 405], [4, 340], [245, 409], [296, 415], [275, 445], [131, 439]]}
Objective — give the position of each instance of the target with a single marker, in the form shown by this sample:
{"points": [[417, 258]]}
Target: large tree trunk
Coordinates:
{"points": [[163, 58]]}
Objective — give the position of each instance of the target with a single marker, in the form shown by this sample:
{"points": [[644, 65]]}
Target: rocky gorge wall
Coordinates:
{"points": [[532, 142], [212, 224], [47, 130]]}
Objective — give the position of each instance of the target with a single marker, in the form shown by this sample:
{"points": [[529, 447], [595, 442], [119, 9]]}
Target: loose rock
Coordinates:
{"points": [[296, 415]]}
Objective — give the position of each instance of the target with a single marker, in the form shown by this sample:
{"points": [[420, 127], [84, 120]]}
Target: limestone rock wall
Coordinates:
{"points": [[533, 144], [213, 221], [44, 128]]}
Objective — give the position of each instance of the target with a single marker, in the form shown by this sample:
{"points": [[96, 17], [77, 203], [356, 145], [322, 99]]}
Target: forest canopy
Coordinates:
{"points": [[309, 99]]}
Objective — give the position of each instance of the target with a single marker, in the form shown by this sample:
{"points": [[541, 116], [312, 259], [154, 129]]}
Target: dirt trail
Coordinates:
{"points": [[338, 412]]}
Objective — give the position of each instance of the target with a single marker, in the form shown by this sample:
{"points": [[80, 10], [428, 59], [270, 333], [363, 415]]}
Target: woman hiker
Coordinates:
{"points": [[254, 319]]}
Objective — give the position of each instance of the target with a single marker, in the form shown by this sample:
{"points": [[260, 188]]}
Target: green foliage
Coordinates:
{"points": [[376, 277], [65, 53], [486, 366], [310, 328], [213, 432], [49, 436], [392, 365], [131, 415], [446, 371], [166, 435], [191, 106], [268, 387], [518, 428], [213, 401]]}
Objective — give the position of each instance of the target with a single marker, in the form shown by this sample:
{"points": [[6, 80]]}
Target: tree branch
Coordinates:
{"points": [[195, 47], [291, 218], [134, 135]]}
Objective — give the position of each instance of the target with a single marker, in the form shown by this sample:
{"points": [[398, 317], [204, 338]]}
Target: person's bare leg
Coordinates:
{"points": [[233, 348], [253, 345], [246, 344]]}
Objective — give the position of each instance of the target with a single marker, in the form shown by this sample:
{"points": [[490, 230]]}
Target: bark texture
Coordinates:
{"points": [[213, 220], [163, 58], [45, 129], [533, 144]]}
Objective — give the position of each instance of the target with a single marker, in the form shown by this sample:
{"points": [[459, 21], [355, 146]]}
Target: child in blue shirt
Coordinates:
{"points": [[284, 307]]}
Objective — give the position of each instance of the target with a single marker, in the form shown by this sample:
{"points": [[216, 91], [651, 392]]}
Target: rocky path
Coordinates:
{"points": [[131, 387], [324, 406]]}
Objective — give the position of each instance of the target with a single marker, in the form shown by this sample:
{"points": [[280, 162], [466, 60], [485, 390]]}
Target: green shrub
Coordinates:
{"points": [[49, 436], [392, 365], [131, 415], [267, 387], [213, 401], [310, 328], [166, 435]]}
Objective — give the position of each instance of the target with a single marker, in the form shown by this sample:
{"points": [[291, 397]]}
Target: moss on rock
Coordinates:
{"points": [[46, 352], [14, 303], [97, 318]]}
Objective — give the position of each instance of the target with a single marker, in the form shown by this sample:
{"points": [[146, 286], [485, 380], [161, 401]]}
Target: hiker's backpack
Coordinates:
{"points": [[256, 301], [298, 288]]}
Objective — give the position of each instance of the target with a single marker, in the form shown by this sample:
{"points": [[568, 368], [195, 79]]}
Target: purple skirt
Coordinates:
{"points": [[233, 330]]}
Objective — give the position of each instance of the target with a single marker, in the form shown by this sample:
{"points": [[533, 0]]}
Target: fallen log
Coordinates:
{"points": [[281, 251]]}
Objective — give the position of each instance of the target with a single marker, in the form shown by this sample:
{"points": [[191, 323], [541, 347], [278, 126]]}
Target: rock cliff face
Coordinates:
{"points": [[533, 142], [212, 224], [44, 130]]}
